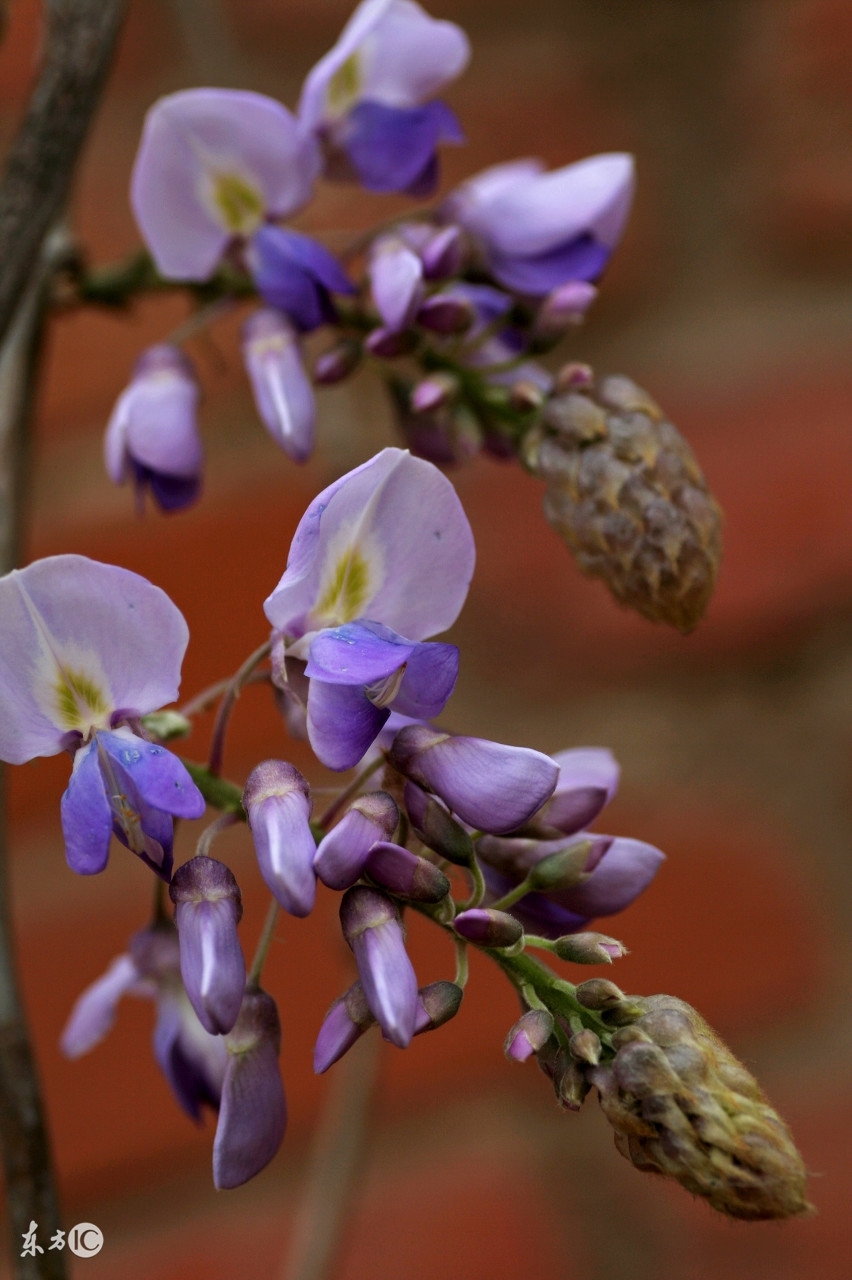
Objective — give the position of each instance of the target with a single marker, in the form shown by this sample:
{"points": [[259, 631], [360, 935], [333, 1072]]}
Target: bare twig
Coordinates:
{"points": [[41, 161]]}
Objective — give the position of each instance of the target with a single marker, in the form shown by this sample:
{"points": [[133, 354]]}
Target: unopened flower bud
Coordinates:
{"points": [[208, 908], [166, 726], [340, 855], [569, 1081], [585, 1045], [396, 280], [488, 928], [388, 344], [443, 253], [524, 396], [437, 828], [599, 993], [404, 874], [563, 308], [683, 1106], [574, 376], [337, 363], [436, 1004], [446, 313], [433, 392], [529, 1035], [346, 1021], [625, 492], [373, 929], [565, 868], [278, 805], [488, 785], [282, 390], [589, 948], [253, 1112]]}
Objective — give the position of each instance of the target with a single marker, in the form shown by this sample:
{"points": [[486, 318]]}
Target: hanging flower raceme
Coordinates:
{"points": [[368, 99], [152, 437], [380, 560], [85, 650], [216, 172], [577, 875], [536, 230]]}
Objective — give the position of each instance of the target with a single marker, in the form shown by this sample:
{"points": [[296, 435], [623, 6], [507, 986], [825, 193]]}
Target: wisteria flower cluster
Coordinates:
{"points": [[493, 843], [453, 306]]}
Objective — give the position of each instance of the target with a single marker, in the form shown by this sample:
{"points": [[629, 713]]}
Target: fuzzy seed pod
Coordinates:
{"points": [[625, 492], [682, 1105]]}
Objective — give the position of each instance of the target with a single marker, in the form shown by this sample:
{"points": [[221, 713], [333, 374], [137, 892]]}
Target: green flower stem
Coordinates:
{"points": [[462, 965], [478, 882], [263, 944], [557, 995], [514, 895], [541, 944], [209, 834], [348, 792], [218, 792], [213, 693]]}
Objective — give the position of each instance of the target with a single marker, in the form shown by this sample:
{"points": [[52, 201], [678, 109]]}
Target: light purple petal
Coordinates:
{"points": [[79, 640], [405, 874], [208, 907], [358, 653], [580, 260], [389, 542], [389, 981], [158, 776], [346, 1021], [212, 164], [154, 422], [253, 1112], [396, 281], [282, 389], [429, 679], [94, 1012], [390, 51], [588, 779], [488, 785], [86, 815], [539, 212], [342, 723], [627, 868], [277, 802], [296, 274]]}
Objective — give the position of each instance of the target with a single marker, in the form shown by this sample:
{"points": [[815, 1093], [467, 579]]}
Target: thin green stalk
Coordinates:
{"points": [[348, 792], [263, 945]]}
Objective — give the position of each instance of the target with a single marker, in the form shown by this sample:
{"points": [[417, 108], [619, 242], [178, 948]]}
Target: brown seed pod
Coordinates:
{"points": [[625, 492], [682, 1105]]}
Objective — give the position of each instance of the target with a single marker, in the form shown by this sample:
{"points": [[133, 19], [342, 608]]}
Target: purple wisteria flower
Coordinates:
{"points": [[368, 99], [253, 1111], [601, 874], [396, 280], [380, 560], [208, 908], [216, 171], [342, 853], [152, 437], [85, 650], [277, 801], [372, 927], [538, 230], [192, 1060], [282, 390]]}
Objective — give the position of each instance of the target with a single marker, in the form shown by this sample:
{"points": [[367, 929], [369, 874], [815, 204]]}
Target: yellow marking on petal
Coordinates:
{"points": [[238, 203], [348, 590], [344, 86], [80, 703]]}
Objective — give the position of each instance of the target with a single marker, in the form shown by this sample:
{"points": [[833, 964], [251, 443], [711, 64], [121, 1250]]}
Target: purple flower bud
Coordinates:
{"points": [[443, 253], [373, 929], [346, 1021], [565, 306], [208, 908], [436, 1004], [529, 1035], [588, 779], [589, 948], [438, 830], [586, 1046], [253, 1112], [433, 392], [396, 281], [341, 854], [152, 437], [488, 927], [574, 376], [388, 344], [447, 313], [282, 391], [278, 805], [337, 363], [404, 874], [488, 785]]}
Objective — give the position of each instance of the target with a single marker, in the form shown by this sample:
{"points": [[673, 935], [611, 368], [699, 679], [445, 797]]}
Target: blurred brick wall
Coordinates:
{"points": [[730, 300]]}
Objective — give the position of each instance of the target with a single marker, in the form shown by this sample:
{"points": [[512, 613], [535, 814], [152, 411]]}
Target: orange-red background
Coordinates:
{"points": [[730, 301]]}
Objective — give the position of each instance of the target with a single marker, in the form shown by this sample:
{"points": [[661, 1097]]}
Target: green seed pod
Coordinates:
{"points": [[682, 1105], [625, 492]]}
